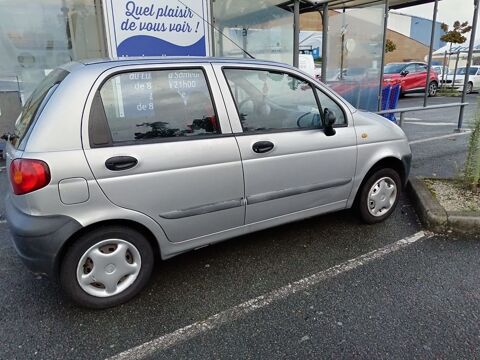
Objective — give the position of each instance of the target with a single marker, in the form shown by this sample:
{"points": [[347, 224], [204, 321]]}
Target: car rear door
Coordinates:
{"points": [[158, 141], [290, 166]]}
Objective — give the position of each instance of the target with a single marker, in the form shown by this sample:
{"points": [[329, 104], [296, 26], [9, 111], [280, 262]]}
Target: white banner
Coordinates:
{"points": [[158, 27]]}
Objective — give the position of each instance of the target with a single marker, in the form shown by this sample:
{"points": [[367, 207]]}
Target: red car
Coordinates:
{"points": [[412, 76]]}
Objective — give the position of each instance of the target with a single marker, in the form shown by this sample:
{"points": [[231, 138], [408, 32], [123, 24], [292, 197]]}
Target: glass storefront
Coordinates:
{"points": [[355, 39], [38, 36], [263, 28]]}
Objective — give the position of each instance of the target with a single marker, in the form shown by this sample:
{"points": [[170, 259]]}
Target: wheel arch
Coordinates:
{"points": [[142, 229], [391, 162]]}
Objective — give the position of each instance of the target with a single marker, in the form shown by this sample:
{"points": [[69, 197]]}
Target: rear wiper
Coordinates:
{"points": [[8, 136]]}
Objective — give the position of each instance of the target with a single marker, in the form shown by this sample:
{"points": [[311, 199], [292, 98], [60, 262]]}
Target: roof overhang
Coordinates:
{"points": [[313, 5], [233, 12]]}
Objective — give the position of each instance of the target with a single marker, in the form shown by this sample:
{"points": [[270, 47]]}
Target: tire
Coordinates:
{"points": [[124, 260], [469, 88], [385, 205], [432, 88]]}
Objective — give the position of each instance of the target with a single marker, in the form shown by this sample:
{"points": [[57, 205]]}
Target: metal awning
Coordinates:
{"points": [[234, 12], [312, 5]]}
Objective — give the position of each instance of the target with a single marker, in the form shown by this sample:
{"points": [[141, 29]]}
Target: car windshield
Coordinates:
{"points": [[393, 68], [463, 71]]}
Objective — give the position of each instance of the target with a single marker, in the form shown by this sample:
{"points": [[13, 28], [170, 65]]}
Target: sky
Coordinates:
{"points": [[448, 12]]}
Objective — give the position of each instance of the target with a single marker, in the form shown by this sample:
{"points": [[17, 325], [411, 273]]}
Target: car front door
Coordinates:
{"points": [[290, 165], [410, 80], [421, 70], [159, 142]]}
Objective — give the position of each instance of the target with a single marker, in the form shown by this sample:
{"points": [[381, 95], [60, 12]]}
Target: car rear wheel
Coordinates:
{"points": [[432, 88], [469, 88], [379, 196], [106, 267]]}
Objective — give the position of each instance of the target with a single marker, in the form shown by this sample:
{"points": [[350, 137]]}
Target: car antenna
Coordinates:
{"points": [[213, 26]]}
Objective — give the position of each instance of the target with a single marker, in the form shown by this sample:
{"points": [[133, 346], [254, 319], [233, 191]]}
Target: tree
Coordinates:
{"points": [[456, 35], [390, 46]]}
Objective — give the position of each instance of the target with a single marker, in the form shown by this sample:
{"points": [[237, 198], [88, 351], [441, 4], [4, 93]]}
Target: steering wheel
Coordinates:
{"points": [[312, 123]]}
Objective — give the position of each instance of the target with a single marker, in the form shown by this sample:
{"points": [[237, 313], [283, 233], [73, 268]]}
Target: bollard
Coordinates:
{"points": [[402, 117]]}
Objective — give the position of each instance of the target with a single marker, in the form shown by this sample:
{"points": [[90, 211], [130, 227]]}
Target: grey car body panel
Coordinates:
{"points": [[197, 192], [39, 239], [287, 168], [272, 195]]}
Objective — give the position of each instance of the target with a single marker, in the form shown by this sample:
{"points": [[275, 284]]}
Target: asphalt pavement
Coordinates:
{"points": [[422, 301]]}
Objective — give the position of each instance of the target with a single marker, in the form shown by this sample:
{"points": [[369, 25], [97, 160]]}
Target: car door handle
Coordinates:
{"points": [[261, 147], [119, 163]]}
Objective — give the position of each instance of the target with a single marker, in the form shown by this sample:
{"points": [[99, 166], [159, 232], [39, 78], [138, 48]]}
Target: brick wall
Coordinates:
{"points": [[407, 48]]}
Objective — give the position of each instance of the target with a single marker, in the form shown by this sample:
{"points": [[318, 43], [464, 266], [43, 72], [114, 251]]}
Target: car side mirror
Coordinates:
{"points": [[404, 73], [329, 119]]}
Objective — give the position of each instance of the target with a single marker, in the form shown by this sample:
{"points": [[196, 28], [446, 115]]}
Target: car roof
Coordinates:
{"points": [[125, 61]]}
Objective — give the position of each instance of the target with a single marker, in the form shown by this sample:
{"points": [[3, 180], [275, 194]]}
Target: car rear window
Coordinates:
{"points": [[31, 107]]}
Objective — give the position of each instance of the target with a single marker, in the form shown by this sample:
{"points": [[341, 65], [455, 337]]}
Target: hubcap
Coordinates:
{"points": [[382, 196], [469, 88], [108, 268], [433, 89]]}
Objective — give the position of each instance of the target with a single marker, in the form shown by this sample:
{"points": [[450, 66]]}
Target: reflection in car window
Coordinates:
{"points": [[327, 103], [158, 104], [393, 68], [272, 100]]}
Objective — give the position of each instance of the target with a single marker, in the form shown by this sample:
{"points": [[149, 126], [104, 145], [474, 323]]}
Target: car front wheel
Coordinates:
{"points": [[106, 267], [379, 196]]}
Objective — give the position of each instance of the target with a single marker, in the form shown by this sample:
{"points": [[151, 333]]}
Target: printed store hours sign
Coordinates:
{"points": [[157, 27]]}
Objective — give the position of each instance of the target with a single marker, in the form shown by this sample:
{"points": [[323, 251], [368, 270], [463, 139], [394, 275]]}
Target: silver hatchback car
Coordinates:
{"points": [[114, 162]]}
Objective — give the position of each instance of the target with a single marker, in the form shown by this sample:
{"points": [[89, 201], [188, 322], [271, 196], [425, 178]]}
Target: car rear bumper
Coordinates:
{"points": [[38, 240]]}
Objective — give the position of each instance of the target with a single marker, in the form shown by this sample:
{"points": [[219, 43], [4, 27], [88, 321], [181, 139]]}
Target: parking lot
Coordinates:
{"points": [[304, 290]]}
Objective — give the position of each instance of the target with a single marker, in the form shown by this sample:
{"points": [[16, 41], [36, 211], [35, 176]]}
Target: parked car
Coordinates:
{"points": [[439, 70], [412, 77], [473, 79], [351, 74], [115, 163]]}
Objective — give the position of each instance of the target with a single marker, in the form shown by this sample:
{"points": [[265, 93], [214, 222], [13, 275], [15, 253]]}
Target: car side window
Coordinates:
{"points": [[326, 102], [421, 68], [271, 100], [411, 69], [161, 104]]}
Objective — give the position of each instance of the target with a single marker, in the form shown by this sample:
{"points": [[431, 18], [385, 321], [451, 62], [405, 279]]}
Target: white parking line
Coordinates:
{"points": [[430, 123], [188, 332], [3, 221], [466, 132], [2, 168]]}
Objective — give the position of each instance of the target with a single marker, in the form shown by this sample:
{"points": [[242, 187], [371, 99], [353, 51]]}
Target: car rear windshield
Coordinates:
{"points": [[393, 68], [33, 103]]}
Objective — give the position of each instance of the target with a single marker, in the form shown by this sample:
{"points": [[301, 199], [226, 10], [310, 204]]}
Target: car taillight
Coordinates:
{"points": [[27, 175]]}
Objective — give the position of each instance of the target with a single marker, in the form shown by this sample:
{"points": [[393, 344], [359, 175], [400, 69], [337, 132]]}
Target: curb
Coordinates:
{"points": [[434, 216]]}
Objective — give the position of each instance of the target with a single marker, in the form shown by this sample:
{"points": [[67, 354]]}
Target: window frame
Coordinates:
{"points": [[311, 83], [90, 127]]}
